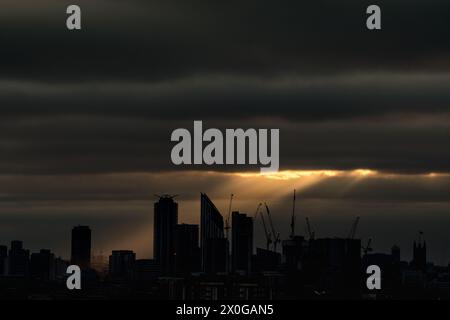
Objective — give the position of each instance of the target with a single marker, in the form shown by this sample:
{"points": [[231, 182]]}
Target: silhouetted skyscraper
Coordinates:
{"points": [[18, 259], [395, 252], [165, 222], [122, 264], [81, 247], [214, 246], [419, 255], [42, 265], [242, 242], [187, 250], [3, 259]]}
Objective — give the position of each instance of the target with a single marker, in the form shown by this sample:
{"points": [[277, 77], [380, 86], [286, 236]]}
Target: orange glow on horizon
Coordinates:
{"points": [[295, 174]]}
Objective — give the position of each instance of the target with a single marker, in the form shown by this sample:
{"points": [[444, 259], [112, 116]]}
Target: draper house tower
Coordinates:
{"points": [[213, 243], [165, 223]]}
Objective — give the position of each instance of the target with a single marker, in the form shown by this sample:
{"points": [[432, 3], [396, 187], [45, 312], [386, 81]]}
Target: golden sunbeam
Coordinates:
{"points": [[295, 174]]}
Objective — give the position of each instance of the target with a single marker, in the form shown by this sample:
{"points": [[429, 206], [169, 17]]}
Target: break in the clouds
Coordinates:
{"points": [[42, 209]]}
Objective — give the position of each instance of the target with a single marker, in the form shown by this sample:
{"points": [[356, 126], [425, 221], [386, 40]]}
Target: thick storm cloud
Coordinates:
{"points": [[106, 98], [157, 40], [395, 123]]}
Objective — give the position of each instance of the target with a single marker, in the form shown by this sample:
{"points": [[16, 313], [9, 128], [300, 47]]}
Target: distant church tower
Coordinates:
{"points": [[420, 254]]}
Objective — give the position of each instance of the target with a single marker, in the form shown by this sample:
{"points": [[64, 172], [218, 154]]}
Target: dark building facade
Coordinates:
{"points": [[266, 260], [214, 246], [3, 259], [216, 252], [395, 252], [419, 255], [242, 242], [122, 264], [19, 259], [390, 266], [187, 257], [147, 270], [337, 262], [165, 222], [81, 247], [294, 251], [42, 265]]}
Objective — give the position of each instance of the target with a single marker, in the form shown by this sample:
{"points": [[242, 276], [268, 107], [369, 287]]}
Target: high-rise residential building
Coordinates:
{"points": [[214, 246], [81, 247], [187, 251], [165, 222], [242, 242]]}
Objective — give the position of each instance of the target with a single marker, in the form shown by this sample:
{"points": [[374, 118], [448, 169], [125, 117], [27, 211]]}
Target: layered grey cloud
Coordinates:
{"points": [[106, 98], [157, 40], [387, 122], [302, 98]]}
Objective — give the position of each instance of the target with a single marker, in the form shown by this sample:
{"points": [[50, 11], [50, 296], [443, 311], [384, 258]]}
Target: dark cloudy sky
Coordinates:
{"points": [[86, 116]]}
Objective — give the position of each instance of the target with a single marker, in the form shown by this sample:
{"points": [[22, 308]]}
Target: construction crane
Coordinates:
{"points": [[276, 236], [310, 232], [227, 220], [257, 210], [266, 232], [368, 247], [293, 219], [351, 234]]}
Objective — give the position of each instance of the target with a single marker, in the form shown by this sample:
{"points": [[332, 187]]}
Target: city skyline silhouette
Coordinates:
{"points": [[196, 259]]}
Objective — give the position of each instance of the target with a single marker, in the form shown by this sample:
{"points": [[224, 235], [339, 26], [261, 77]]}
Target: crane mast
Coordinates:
{"points": [[310, 232], [275, 234], [368, 247], [227, 220], [351, 234], [293, 219], [266, 231]]}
